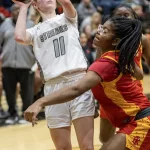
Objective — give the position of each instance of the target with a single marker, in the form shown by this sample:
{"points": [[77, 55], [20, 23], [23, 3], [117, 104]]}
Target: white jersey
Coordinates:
{"points": [[56, 46]]}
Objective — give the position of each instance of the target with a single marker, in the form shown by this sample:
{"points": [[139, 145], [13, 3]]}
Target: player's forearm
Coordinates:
{"points": [[61, 96], [20, 30]]}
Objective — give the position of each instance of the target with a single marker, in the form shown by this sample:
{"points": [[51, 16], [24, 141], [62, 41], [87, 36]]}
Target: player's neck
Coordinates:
{"points": [[48, 16]]}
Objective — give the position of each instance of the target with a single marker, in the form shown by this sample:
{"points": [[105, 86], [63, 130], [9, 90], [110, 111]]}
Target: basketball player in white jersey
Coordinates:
{"points": [[62, 62]]}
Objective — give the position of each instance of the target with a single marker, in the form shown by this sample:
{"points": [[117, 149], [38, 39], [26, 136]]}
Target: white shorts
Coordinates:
{"points": [[61, 115]]}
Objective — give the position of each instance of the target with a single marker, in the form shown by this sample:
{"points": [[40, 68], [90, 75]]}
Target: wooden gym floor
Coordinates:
{"points": [[24, 137]]}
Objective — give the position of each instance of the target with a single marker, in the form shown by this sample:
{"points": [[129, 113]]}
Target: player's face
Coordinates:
{"points": [[123, 12], [105, 36], [45, 5]]}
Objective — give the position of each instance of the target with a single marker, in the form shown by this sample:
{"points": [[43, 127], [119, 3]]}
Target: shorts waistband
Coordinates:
{"points": [[143, 113], [66, 78]]}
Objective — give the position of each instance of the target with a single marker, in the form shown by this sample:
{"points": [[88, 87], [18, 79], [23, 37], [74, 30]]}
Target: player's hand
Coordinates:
{"points": [[32, 111], [27, 4]]}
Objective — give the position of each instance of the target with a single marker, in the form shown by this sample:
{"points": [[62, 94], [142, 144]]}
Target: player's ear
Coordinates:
{"points": [[34, 5], [116, 41]]}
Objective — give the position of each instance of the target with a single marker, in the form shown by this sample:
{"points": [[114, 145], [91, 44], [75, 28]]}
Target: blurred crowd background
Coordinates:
{"points": [[19, 73]]}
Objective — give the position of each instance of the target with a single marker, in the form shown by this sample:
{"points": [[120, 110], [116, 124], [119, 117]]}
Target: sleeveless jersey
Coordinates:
{"points": [[138, 61], [56, 46], [138, 57], [120, 95]]}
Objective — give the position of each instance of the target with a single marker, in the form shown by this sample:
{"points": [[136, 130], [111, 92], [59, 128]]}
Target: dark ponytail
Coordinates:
{"points": [[130, 32]]}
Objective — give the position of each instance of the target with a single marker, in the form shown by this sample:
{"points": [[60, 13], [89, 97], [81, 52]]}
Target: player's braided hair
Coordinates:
{"points": [[130, 32], [127, 7]]}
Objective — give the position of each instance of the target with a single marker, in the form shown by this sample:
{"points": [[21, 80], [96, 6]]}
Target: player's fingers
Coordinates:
{"points": [[34, 120], [34, 123]]}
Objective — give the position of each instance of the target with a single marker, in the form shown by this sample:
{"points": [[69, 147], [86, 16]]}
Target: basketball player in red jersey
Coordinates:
{"points": [[106, 128], [114, 86]]}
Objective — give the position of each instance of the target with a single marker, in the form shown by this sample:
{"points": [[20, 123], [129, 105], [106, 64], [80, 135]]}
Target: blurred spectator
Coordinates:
{"points": [[2, 18], [17, 61], [106, 6], [138, 9], [3, 114], [143, 3], [88, 30], [147, 31], [94, 21], [85, 9], [129, 2], [89, 26], [103, 6], [86, 49], [4, 11], [7, 4]]}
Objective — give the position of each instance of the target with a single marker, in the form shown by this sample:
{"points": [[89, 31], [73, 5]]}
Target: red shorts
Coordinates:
{"points": [[137, 134]]}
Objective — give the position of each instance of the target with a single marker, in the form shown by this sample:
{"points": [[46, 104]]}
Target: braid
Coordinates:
{"points": [[130, 32]]}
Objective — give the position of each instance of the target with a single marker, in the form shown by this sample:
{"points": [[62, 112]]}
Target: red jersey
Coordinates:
{"points": [[120, 95], [138, 56], [138, 61]]}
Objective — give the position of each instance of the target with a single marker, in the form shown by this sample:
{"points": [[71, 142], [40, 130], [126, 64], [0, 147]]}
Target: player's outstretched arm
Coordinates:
{"points": [[90, 80], [21, 35], [68, 8]]}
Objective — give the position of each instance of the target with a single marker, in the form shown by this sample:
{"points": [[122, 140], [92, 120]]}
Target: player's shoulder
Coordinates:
{"points": [[60, 17], [36, 26]]}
